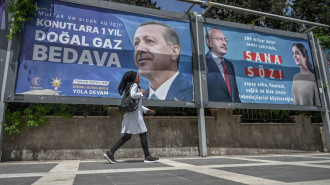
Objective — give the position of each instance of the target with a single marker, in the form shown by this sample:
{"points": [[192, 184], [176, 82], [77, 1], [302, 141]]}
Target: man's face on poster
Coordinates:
{"points": [[217, 42], [152, 53]]}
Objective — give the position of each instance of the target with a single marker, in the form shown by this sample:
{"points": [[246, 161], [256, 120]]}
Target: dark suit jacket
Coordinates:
{"points": [[181, 89], [217, 88]]}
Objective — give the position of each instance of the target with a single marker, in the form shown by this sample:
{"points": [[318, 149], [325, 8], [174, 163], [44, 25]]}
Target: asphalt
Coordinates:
{"points": [[302, 169]]}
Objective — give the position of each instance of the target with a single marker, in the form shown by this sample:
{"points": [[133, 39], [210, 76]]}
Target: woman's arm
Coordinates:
{"points": [[144, 109], [135, 94]]}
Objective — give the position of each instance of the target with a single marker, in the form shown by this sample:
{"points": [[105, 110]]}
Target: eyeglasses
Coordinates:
{"points": [[220, 39]]}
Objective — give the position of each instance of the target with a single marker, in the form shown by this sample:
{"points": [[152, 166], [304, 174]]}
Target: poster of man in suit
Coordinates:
{"points": [[219, 69], [84, 51], [248, 66], [157, 53]]}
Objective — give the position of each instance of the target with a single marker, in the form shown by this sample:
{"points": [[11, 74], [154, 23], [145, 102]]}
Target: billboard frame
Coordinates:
{"points": [[198, 57], [10, 95], [211, 104]]}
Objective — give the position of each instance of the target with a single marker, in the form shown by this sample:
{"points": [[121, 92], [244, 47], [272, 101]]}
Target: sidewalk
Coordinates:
{"points": [[243, 169]]}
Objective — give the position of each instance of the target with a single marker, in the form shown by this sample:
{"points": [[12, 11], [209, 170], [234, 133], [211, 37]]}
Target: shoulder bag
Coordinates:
{"points": [[128, 104]]}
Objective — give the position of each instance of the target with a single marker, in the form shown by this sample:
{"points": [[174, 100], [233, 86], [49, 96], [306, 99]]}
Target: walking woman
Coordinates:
{"points": [[133, 121]]}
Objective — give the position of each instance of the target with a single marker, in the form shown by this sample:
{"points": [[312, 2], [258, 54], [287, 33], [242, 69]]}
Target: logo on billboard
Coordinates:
{"points": [[56, 83], [36, 81], [35, 84]]}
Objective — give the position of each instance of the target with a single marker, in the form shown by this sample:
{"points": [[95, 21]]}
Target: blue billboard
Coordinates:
{"points": [[246, 66], [76, 50]]}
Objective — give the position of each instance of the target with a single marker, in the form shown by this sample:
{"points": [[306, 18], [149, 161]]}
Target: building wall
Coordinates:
{"points": [[89, 137]]}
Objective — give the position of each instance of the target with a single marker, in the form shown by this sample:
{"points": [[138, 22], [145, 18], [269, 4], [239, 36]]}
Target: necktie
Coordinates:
{"points": [[154, 97], [226, 76]]}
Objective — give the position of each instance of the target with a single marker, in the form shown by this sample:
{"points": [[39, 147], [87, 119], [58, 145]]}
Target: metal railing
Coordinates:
{"points": [[264, 116]]}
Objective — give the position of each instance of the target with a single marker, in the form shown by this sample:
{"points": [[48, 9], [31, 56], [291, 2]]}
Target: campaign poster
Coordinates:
{"points": [[246, 66], [77, 50]]}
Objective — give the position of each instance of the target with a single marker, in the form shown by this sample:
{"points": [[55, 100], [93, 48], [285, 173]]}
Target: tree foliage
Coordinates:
{"points": [[309, 10], [143, 3], [21, 11], [315, 11], [271, 6], [21, 115]]}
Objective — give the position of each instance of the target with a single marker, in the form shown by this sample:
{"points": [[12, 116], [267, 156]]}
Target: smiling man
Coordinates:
{"points": [[157, 53], [221, 80]]}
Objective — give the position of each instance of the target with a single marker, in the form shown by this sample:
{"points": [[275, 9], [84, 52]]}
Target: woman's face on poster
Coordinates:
{"points": [[298, 57]]}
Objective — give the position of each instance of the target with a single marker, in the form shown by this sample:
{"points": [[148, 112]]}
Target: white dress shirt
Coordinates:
{"points": [[162, 91]]}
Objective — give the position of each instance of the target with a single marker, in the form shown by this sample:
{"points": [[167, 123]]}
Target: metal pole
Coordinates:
{"points": [[201, 116], [310, 29], [253, 12], [207, 9], [5, 57], [326, 95], [190, 8], [2, 97]]}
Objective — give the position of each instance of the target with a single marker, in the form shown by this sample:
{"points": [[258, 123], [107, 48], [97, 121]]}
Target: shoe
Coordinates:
{"points": [[151, 159], [109, 157]]}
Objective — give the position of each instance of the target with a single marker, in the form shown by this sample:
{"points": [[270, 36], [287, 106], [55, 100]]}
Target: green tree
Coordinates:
{"points": [[315, 11], [277, 7], [143, 3], [309, 10], [21, 11]]}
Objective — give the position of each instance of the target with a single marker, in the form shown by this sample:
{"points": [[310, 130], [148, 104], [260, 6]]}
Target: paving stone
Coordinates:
{"points": [[121, 165], [18, 181], [321, 156], [286, 158], [26, 168], [283, 173], [170, 177], [328, 164], [214, 161]]}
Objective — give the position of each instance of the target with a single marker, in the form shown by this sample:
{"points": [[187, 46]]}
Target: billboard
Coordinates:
{"points": [[246, 66], [76, 50]]}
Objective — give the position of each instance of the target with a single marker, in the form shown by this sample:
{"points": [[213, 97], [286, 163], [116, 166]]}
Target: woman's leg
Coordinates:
{"points": [[120, 142], [144, 143], [109, 155]]}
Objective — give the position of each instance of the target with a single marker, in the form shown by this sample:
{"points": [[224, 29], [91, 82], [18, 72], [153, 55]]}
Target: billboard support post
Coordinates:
{"points": [[326, 95], [201, 115], [5, 48], [2, 97]]}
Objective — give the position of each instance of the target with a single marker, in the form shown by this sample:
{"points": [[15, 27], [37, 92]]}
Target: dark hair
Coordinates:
{"points": [[304, 52], [126, 82], [170, 35]]}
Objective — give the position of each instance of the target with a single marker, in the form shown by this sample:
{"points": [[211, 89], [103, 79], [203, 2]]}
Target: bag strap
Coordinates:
{"points": [[129, 91]]}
